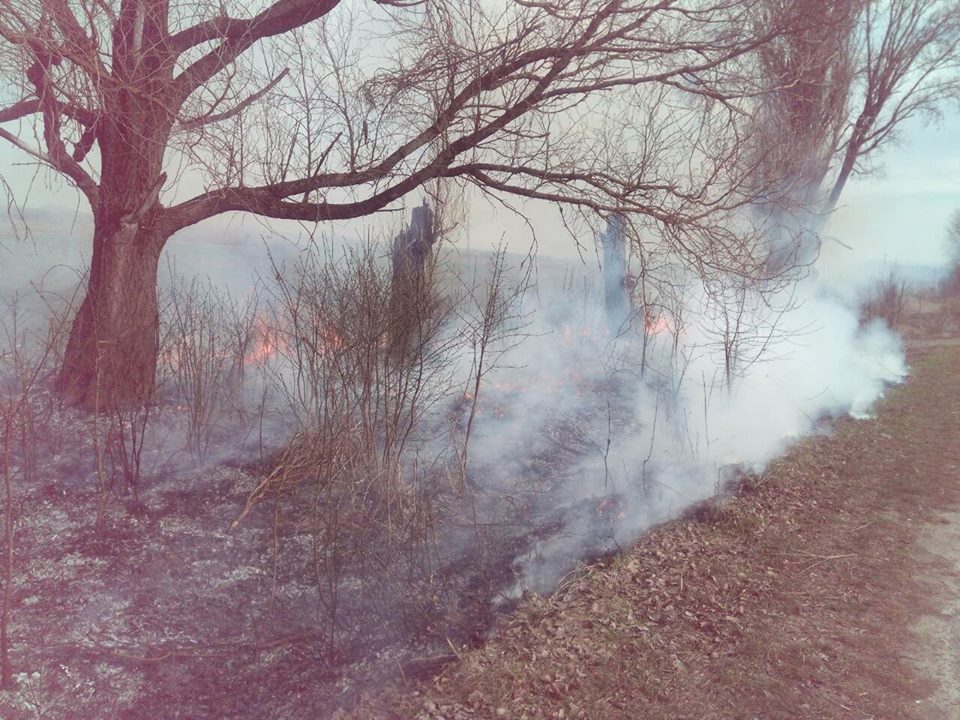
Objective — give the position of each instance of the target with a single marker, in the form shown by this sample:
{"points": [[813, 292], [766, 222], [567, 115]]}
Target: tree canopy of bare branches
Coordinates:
{"points": [[317, 110], [837, 89], [909, 65], [808, 75]]}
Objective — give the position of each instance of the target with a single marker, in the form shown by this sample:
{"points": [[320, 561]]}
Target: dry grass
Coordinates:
{"points": [[930, 318], [785, 599], [788, 599]]}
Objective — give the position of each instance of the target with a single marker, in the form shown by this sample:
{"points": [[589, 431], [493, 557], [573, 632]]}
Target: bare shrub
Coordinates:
{"points": [[207, 337], [493, 322], [26, 350], [336, 323], [117, 437], [943, 319], [884, 300], [742, 322], [363, 359]]}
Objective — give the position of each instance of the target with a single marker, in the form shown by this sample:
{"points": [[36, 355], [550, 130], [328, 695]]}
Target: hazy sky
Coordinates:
{"points": [[899, 214]]}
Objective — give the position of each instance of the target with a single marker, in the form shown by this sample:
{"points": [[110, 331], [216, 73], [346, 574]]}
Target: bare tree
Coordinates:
{"points": [[808, 76], [839, 85], [909, 65], [319, 110]]}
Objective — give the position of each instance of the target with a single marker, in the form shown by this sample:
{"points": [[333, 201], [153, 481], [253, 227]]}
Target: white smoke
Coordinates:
{"points": [[585, 440], [609, 438]]}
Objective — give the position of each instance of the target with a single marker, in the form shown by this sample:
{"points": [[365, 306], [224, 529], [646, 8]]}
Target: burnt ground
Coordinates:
{"points": [[169, 609], [825, 588]]}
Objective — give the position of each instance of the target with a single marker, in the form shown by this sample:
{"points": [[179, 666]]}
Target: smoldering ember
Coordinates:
{"points": [[500, 358]]}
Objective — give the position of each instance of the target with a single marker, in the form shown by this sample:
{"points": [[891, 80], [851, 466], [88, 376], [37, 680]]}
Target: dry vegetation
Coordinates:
{"points": [[268, 505], [791, 597], [308, 581], [144, 541]]}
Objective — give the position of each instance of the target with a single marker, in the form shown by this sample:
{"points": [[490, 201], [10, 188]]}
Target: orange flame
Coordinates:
{"points": [[266, 344], [656, 324], [270, 341]]}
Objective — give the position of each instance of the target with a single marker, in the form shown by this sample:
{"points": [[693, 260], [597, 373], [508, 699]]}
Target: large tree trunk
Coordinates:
{"points": [[111, 355]]}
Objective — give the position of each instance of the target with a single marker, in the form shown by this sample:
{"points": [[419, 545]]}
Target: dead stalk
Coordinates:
{"points": [[6, 668]]}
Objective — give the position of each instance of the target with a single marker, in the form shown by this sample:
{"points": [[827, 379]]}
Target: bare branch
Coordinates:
{"points": [[20, 109], [211, 117], [57, 155], [237, 36]]}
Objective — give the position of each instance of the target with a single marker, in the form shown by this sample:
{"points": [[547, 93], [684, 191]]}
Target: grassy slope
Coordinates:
{"points": [[790, 600]]}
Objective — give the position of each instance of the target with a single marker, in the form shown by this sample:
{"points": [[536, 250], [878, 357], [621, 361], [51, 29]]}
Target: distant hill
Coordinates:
{"points": [[918, 276]]}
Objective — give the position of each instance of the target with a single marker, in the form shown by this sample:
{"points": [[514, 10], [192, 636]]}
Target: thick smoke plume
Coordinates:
{"points": [[587, 430], [645, 421]]}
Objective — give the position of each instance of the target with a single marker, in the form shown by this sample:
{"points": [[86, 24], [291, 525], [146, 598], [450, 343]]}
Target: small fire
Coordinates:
{"points": [[267, 343], [270, 341], [655, 324], [573, 336]]}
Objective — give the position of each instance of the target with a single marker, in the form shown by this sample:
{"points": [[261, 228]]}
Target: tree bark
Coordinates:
{"points": [[850, 155], [411, 263], [110, 360], [111, 355], [846, 169]]}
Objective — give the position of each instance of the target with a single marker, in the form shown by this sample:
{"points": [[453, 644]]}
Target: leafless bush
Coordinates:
{"points": [[26, 349], [60, 305], [742, 321], [950, 286], [943, 317], [363, 358], [884, 300], [117, 437], [207, 338], [494, 322], [337, 324]]}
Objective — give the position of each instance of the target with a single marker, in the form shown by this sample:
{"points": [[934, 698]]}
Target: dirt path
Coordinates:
{"points": [[827, 588], [937, 645], [937, 632]]}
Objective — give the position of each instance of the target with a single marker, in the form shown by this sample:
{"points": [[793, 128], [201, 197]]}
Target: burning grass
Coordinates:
{"points": [[356, 551]]}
